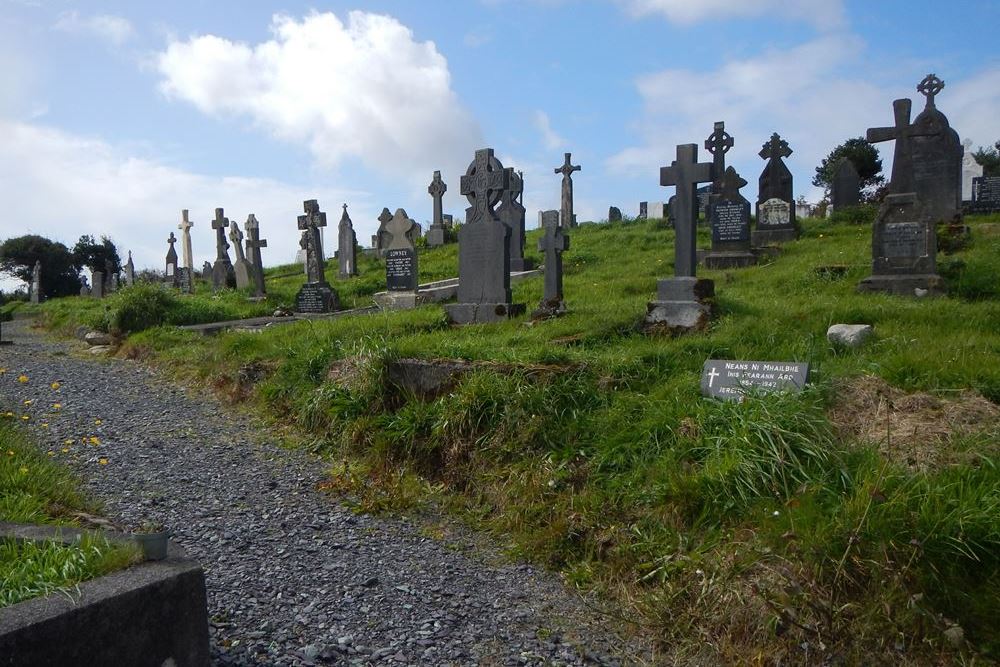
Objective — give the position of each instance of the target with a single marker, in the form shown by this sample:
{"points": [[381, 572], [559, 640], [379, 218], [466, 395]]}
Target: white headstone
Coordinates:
{"points": [[657, 210], [970, 170]]}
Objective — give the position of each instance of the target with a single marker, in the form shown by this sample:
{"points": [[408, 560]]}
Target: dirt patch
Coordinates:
{"points": [[912, 429]]}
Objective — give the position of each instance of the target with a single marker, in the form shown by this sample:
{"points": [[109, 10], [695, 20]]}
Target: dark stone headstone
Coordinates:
{"points": [[732, 380], [347, 245], [718, 144], [683, 302], [206, 271], [170, 272], [241, 267], [97, 284], [511, 213], [845, 191], [775, 197], [223, 274], [730, 220], [937, 158], [483, 250], [643, 210], [185, 281], [552, 244], [437, 234], [401, 274], [449, 221], [986, 194], [614, 214], [546, 218], [316, 296], [254, 245], [381, 237], [129, 270], [566, 211]]}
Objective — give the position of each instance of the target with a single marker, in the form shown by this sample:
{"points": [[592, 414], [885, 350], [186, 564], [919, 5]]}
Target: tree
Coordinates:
{"points": [[60, 276], [93, 255], [865, 159], [989, 158]]}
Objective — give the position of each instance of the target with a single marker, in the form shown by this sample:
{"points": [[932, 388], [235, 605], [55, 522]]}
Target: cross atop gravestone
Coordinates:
{"points": [[311, 223], [718, 144], [929, 88], [483, 185], [686, 173], [219, 224], [553, 243], [731, 183], [185, 227], [775, 149], [436, 189], [171, 262], [254, 244], [902, 133], [236, 236], [172, 240], [566, 211]]}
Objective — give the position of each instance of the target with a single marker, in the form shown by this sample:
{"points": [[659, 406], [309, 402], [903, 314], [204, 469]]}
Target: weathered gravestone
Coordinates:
{"points": [[614, 214], [381, 237], [511, 213], [206, 271], [643, 210], [546, 218], [223, 274], [937, 158], [110, 277], [97, 284], [730, 220], [130, 270], [449, 221], [845, 190], [170, 270], [970, 170], [254, 244], [704, 199], [316, 296], [483, 250], [35, 288], [401, 269], [904, 238], [986, 197], [553, 243], [187, 268], [733, 380], [718, 144], [437, 235], [566, 216], [347, 246], [684, 302], [241, 268], [775, 197]]}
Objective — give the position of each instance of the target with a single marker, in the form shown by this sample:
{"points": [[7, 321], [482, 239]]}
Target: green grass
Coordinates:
{"points": [[725, 530]]}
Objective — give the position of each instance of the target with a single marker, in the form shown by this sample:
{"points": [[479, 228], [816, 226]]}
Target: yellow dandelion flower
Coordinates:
{"points": [[10, 452], [65, 450], [44, 425], [28, 401], [8, 414], [94, 440], [25, 417], [68, 441], [57, 406], [55, 385], [23, 470], [2, 371], [102, 461], [98, 422], [22, 379], [51, 453]]}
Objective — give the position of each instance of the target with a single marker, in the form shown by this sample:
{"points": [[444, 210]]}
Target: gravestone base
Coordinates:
{"points": [[549, 308], [398, 300], [682, 305], [435, 237], [929, 284], [242, 274], [729, 260], [521, 264], [223, 275], [316, 298], [482, 313], [765, 237]]}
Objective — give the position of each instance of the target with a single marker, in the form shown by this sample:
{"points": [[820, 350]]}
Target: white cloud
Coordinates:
{"points": [[61, 186], [363, 89], [824, 14], [114, 29], [551, 140]]}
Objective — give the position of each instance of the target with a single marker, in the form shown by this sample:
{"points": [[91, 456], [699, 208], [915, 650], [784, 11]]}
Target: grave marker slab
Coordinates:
{"points": [[129, 270], [187, 282], [937, 158], [566, 210], [845, 191], [775, 196], [380, 238], [401, 273], [614, 214], [437, 234], [733, 380], [223, 274], [970, 170], [241, 268], [36, 283], [546, 218], [97, 284], [316, 295], [511, 213], [643, 210], [717, 144], [730, 220], [347, 246], [254, 244], [553, 243], [170, 272], [986, 197]]}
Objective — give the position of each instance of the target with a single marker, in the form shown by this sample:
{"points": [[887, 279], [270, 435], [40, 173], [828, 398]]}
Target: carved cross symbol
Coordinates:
{"points": [[253, 231], [483, 184], [929, 88], [437, 188], [185, 223], [720, 141], [384, 217], [775, 148], [221, 221], [235, 235], [313, 218], [711, 376], [902, 133], [171, 240], [568, 167], [400, 228], [732, 182], [686, 172]]}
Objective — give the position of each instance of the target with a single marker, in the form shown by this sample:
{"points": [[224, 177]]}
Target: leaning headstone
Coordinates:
{"points": [[347, 247], [223, 274], [129, 270], [733, 380], [170, 270], [775, 197], [614, 214], [730, 220], [316, 296], [684, 302], [986, 194], [437, 234], [381, 237], [643, 210], [937, 158], [970, 170], [36, 283], [904, 237], [241, 267], [401, 272], [254, 243], [187, 266], [845, 191], [483, 251], [718, 144], [97, 284], [566, 210], [553, 243], [511, 213]]}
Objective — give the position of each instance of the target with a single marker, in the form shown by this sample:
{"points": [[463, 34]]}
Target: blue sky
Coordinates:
{"points": [[114, 116]]}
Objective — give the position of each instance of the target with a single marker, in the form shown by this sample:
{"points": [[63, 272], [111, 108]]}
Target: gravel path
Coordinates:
{"points": [[293, 577]]}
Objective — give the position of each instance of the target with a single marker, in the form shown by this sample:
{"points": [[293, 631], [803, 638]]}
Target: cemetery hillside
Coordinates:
{"points": [[856, 521]]}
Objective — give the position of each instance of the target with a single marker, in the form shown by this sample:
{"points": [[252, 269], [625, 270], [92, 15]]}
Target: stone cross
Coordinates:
{"points": [[219, 225], [254, 243], [566, 211], [511, 213], [553, 244], [311, 223], [436, 189], [236, 236], [185, 227], [686, 173], [775, 149], [380, 237], [929, 88], [718, 144], [903, 133], [482, 185]]}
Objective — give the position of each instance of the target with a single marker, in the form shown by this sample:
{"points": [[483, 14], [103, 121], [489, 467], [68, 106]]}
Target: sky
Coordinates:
{"points": [[115, 116]]}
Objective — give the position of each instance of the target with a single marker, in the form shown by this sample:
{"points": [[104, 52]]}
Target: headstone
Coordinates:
{"points": [[347, 247], [845, 191], [704, 199], [986, 194], [658, 211], [241, 268], [381, 237], [206, 271], [775, 197], [316, 295], [36, 283], [437, 234], [254, 244], [730, 220], [684, 302], [129, 270], [114, 282], [718, 144], [97, 284], [84, 288], [170, 270], [401, 274], [904, 237], [970, 170], [566, 210], [483, 250], [937, 158], [511, 213], [803, 210], [552, 243], [449, 221], [733, 380], [643, 210], [614, 214], [110, 277], [187, 267], [223, 274], [546, 218]]}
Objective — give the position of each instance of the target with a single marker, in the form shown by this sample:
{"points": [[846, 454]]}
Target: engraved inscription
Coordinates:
{"points": [[730, 222], [400, 269], [904, 239]]}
